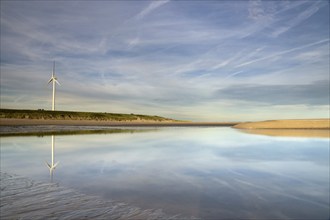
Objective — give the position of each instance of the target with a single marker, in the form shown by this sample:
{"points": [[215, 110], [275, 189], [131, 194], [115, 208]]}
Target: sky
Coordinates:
{"points": [[187, 60]]}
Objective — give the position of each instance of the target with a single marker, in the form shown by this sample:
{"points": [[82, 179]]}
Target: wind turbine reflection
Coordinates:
{"points": [[53, 165]]}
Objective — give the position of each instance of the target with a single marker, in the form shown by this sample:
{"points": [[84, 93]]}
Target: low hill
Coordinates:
{"points": [[71, 115], [287, 124]]}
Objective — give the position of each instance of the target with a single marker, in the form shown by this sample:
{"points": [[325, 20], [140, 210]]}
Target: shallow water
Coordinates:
{"points": [[206, 172]]}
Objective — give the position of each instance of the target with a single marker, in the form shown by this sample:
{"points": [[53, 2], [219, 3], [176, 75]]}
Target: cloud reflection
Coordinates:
{"points": [[204, 172]]}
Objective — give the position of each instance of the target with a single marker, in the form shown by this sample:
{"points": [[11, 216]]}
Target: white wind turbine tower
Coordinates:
{"points": [[54, 80]]}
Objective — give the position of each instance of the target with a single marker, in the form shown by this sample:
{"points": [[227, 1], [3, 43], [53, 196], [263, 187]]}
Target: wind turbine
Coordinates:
{"points": [[54, 80], [52, 166]]}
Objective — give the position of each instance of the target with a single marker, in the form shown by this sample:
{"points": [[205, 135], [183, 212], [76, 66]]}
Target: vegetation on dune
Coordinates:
{"points": [[71, 115]]}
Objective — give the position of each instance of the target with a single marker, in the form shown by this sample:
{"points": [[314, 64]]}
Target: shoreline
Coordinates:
{"points": [[23, 122], [270, 124], [26, 127], [10, 126]]}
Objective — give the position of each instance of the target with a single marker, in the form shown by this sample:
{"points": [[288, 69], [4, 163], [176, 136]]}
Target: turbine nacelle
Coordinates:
{"points": [[53, 79]]}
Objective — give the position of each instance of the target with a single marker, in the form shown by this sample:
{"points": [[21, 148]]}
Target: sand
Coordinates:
{"points": [[287, 124], [305, 133]]}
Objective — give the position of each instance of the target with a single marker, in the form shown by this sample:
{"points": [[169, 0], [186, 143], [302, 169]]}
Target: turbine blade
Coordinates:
{"points": [[48, 165], [51, 79], [57, 82], [55, 165]]}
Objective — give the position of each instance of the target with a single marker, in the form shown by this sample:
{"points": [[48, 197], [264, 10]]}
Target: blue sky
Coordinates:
{"points": [[191, 60]]}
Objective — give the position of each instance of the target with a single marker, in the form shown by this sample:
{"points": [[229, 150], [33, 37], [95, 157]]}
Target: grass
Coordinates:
{"points": [[71, 115]]}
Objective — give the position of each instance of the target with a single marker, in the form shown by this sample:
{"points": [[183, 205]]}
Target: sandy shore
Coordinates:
{"points": [[308, 133], [287, 124], [273, 124], [21, 122]]}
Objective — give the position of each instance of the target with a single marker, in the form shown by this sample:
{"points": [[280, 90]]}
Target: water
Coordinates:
{"points": [[210, 172]]}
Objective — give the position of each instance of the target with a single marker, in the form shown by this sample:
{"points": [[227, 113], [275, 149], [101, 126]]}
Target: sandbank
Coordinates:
{"points": [[287, 124], [307, 133]]}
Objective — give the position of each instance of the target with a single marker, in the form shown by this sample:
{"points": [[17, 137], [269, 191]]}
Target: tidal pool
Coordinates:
{"points": [[205, 172]]}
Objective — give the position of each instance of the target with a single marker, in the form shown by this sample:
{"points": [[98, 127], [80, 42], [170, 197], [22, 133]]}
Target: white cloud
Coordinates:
{"points": [[259, 12]]}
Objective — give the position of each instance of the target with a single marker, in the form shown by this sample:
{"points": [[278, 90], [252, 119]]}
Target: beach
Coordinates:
{"points": [[293, 128], [306, 133], [287, 124], [271, 124]]}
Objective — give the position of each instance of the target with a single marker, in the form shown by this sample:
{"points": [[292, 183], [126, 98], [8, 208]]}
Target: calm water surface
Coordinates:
{"points": [[217, 173]]}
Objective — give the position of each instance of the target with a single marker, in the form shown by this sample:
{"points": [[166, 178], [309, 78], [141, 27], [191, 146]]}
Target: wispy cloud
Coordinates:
{"points": [[234, 74], [283, 52], [150, 8], [260, 13], [297, 19], [316, 93]]}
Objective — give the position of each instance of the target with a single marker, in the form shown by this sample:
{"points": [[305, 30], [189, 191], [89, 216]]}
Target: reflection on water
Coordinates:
{"points": [[53, 165], [217, 173], [43, 130], [313, 133]]}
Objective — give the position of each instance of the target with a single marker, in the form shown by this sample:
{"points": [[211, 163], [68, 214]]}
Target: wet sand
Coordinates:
{"points": [[22, 198]]}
